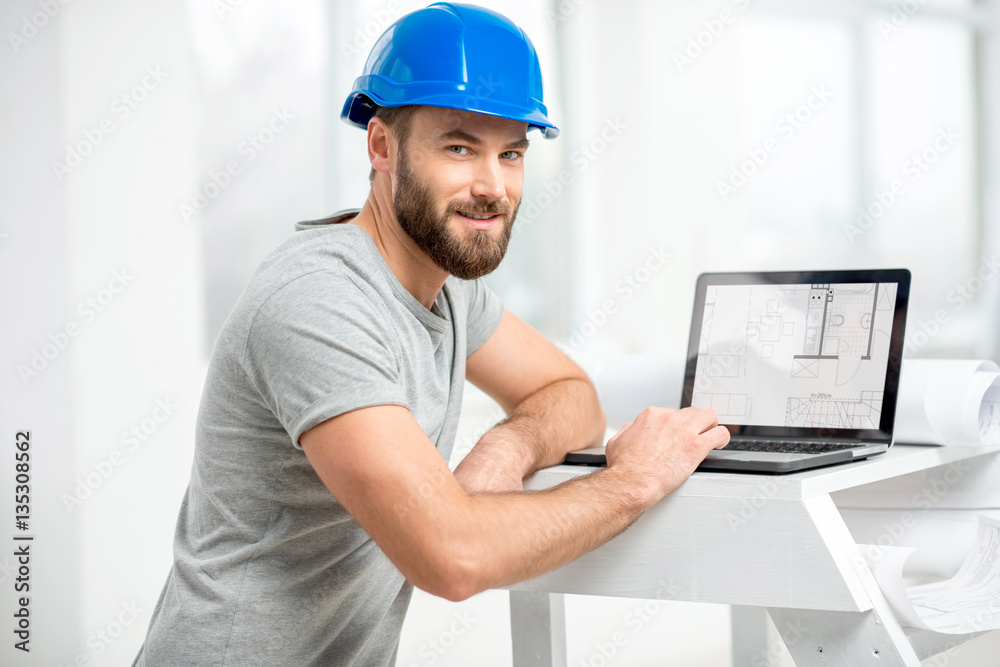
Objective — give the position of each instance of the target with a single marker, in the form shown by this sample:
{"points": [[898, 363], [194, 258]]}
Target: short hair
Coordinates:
{"points": [[398, 120]]}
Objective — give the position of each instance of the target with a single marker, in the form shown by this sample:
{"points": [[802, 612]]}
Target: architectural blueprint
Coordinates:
{"points": [[795, 355]]}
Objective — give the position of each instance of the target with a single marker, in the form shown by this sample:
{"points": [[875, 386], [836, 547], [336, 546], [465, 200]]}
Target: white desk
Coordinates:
{"points": [[758, 542]]}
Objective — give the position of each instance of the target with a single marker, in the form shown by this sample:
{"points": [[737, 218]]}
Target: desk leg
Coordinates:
{"points": [[843, 638], [752, 643], [538, 629]]}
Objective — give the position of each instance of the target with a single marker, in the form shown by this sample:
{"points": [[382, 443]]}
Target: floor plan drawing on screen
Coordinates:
{"points": [[811, 355]]}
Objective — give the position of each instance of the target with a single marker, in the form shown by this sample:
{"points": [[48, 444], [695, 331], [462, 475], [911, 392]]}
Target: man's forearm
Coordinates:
{"points": [[557, 418], [517, 536]]}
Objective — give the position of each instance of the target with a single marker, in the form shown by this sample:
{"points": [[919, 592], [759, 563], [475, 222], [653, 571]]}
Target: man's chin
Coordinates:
{"points": [[474, 262]]}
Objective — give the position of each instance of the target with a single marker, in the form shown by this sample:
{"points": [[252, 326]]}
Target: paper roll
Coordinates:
{"points": [[948, 402]]}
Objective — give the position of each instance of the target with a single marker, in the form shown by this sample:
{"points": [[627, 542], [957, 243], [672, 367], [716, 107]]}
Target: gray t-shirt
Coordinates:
{"points": [[269, 569]]}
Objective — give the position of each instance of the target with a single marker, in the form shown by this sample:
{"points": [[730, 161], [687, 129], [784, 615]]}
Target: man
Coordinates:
{"points": [[320, 491]]}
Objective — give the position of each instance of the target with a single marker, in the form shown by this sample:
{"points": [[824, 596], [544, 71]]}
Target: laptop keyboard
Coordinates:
{"points": [[785, 447]]}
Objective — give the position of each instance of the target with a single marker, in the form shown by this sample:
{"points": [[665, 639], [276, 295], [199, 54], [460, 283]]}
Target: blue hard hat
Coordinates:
{"points": [[454, 56]]}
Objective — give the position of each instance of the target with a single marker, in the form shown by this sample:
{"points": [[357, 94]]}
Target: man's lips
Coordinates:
{"points": [[479, 221]]}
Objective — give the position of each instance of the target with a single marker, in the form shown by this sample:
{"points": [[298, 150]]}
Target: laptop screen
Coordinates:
{"points": [[804, 354]]}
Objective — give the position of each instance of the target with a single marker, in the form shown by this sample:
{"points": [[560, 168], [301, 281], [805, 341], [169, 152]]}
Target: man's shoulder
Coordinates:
{"points": [[338, 218], [324, 265], [320, 251]]}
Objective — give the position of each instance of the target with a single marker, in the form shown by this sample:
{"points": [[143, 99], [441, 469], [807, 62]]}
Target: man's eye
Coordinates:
{"points": [[510, 155], [458, 150]]}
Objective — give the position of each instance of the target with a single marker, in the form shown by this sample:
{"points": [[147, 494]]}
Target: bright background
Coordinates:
{"points": [[658, 103]]}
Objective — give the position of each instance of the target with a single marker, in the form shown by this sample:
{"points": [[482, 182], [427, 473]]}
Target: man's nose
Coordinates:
{"points": [[488, 179]]}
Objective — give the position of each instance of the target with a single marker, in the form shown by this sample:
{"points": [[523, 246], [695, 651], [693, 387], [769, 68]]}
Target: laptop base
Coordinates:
{"points": [[719, 460]]}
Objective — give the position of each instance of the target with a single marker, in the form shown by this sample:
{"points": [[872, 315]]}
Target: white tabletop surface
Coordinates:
{"points": [[899, 460]]}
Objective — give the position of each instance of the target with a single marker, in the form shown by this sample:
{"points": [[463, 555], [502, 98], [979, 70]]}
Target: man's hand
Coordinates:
{"points": [[662, 447]]}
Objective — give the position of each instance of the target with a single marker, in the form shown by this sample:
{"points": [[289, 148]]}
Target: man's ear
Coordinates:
{"points": [[378, 144]]}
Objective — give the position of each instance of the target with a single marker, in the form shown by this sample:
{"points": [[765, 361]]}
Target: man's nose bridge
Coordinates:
{"points": [[489, 176]]}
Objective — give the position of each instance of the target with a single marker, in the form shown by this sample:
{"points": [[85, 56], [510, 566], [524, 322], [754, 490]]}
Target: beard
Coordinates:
{"points": [[467, 256]]}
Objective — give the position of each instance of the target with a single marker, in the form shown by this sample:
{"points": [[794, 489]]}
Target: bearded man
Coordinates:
{"points": [[320, 492]]}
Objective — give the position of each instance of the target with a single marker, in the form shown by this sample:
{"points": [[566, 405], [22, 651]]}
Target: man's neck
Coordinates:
{"points": [[412, 267]]}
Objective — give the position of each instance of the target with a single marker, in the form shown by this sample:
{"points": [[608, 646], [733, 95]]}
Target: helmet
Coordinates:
{"points": [[454, 56]]}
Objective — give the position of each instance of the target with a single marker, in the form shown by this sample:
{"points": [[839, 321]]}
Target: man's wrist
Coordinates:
{"points": [[499, 462], [511, 443], [637, 492]]}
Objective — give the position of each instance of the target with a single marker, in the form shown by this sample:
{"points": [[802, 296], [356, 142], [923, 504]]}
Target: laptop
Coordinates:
{"points": [[802, 367]]}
